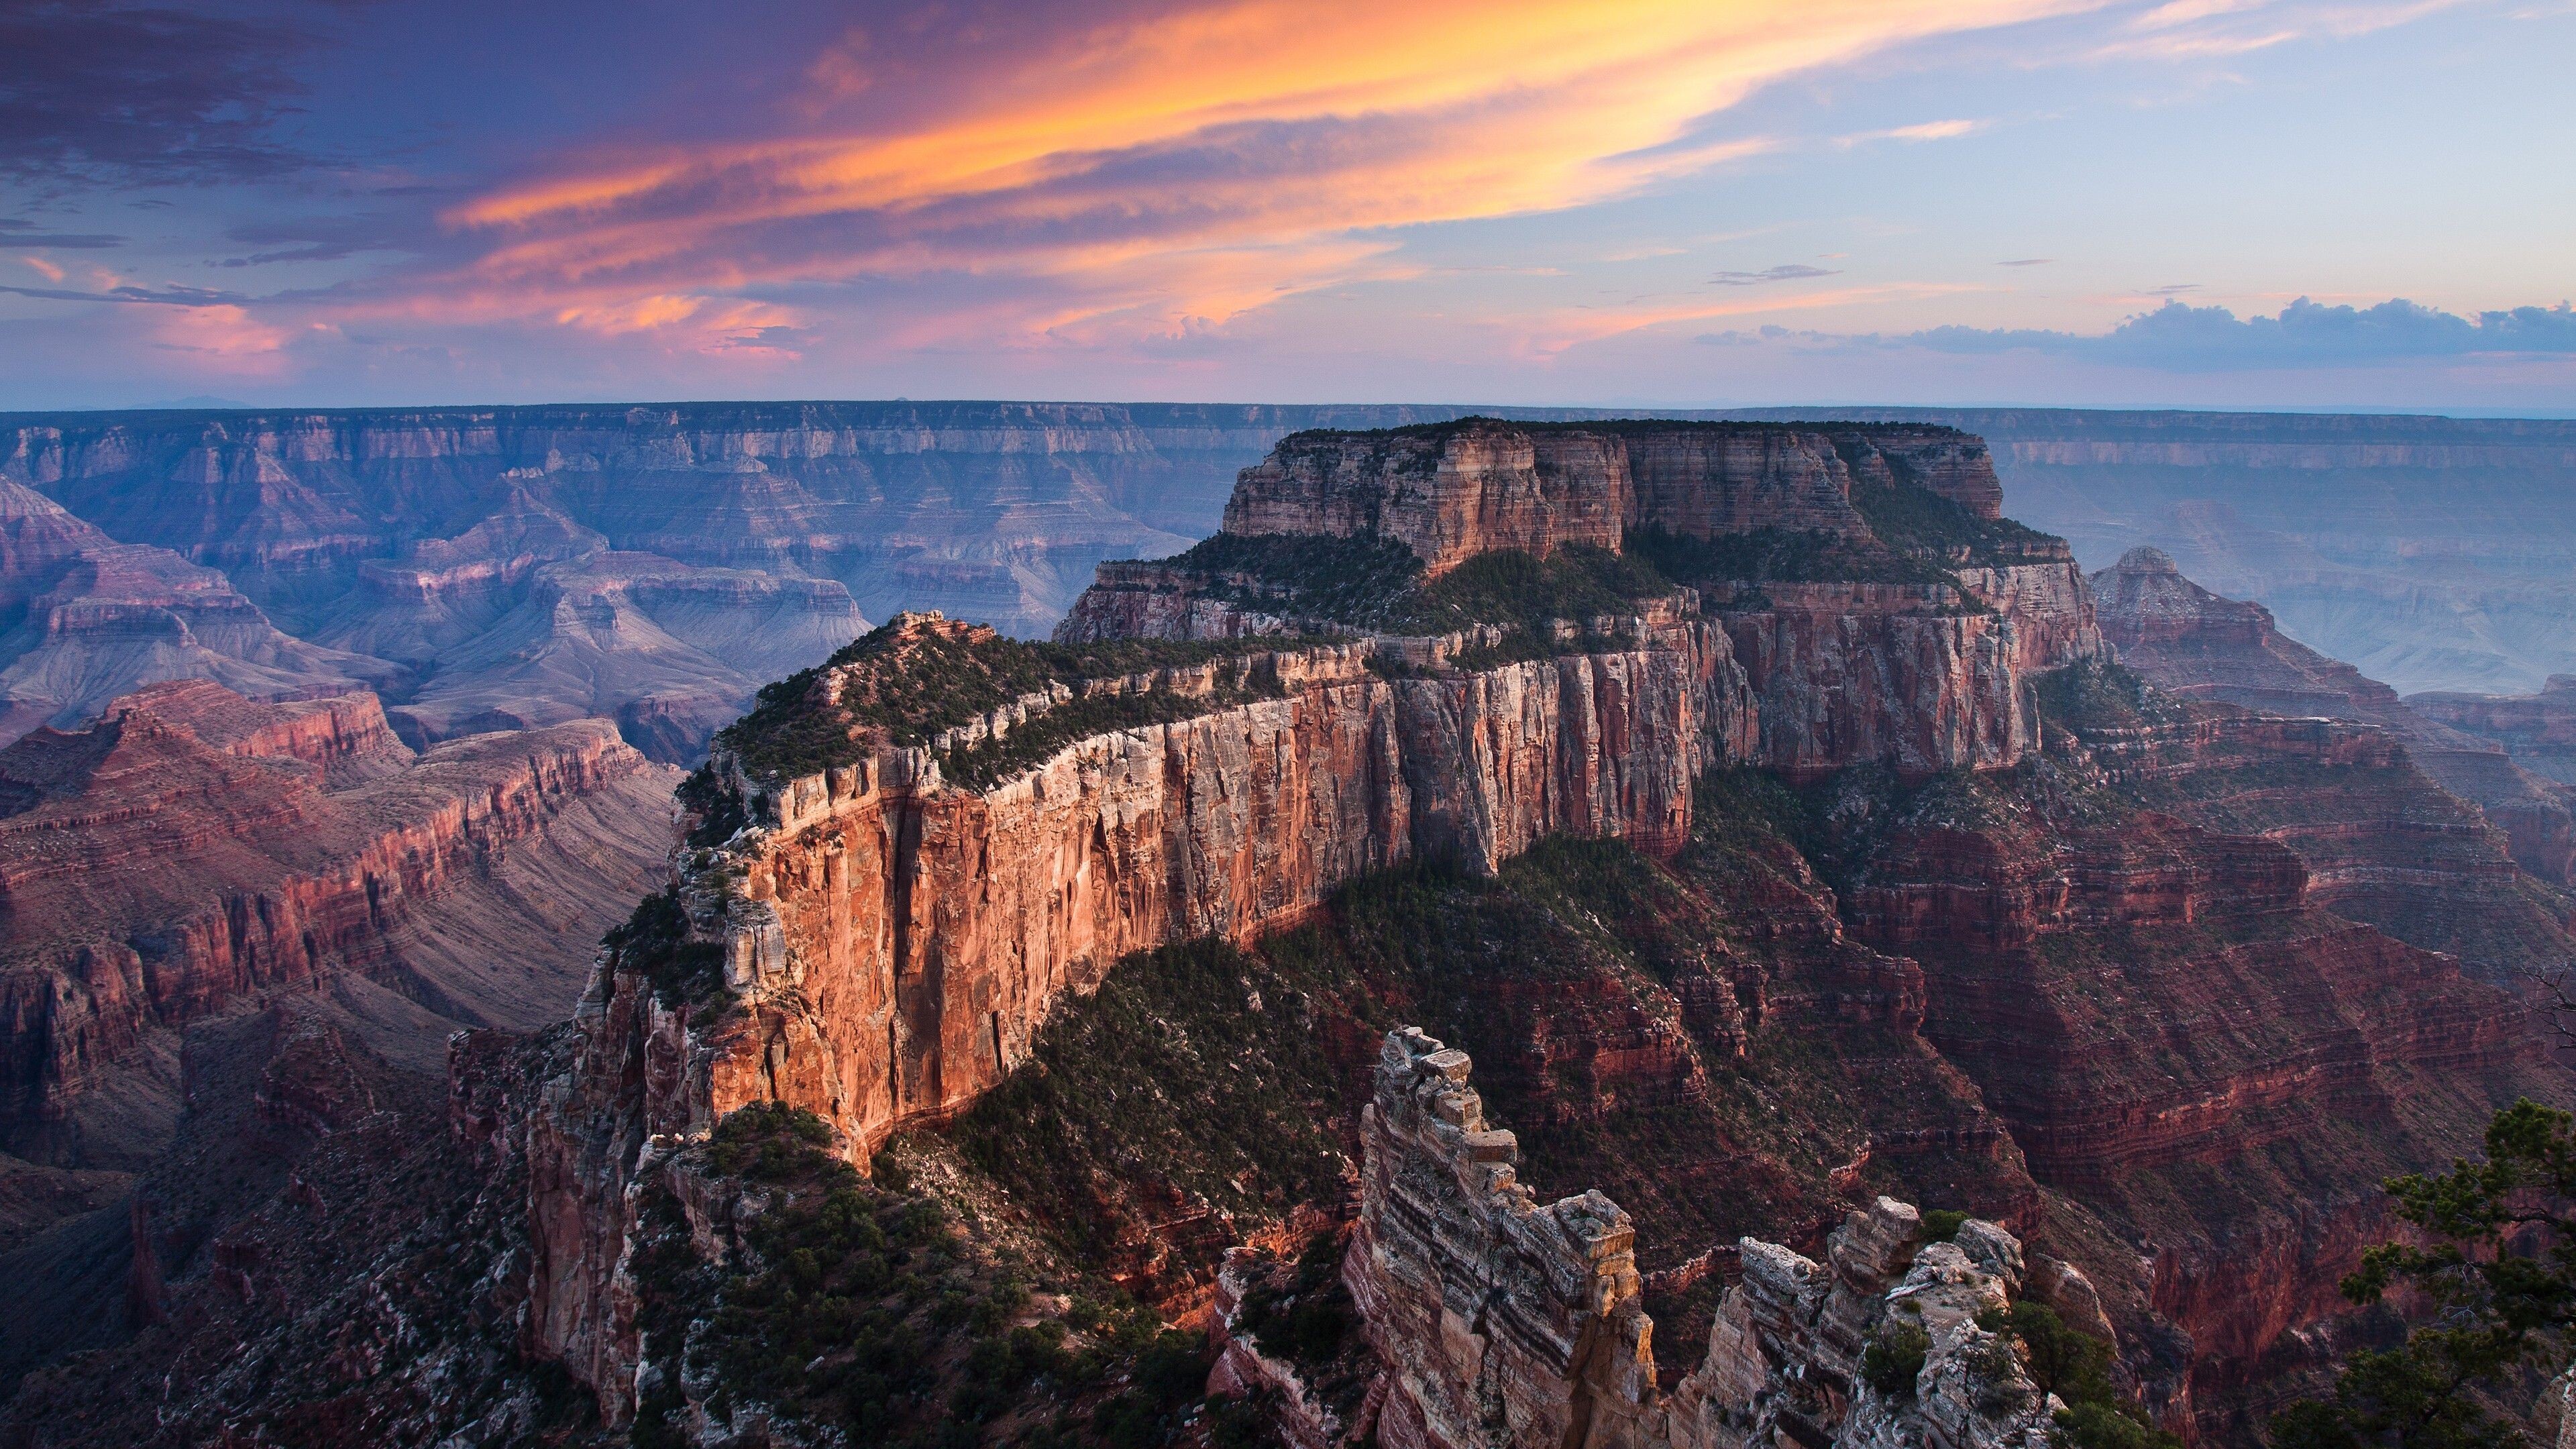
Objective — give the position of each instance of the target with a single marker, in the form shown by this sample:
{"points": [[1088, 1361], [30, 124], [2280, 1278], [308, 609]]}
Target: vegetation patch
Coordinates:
{"points": [[2076, 1367], [912, 679], [1299, 1313], [2094, 695], [1920, 522], [1355, 581], [876, 1310], [655, 942], [987, 762], [1778, 555], [1200, 1079]]}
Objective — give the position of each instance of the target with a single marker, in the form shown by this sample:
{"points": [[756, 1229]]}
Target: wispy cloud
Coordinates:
{"points": [[1786, 272], [1922, 131], [1272, 135], [19, 232], [2216, 29], [159, 296], [2027, 262], [94, 90]]}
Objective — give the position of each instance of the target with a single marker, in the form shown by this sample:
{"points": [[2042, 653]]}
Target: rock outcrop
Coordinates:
{"points": [[2431, 552], [1506, 1322], [1452, 491], [1448, 493], [894, 942]]}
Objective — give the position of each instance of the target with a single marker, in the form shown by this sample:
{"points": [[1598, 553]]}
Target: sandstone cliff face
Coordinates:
{"points": [[1853, 673], [1448, 494], [1455, 491], [195, 848], [1921, 678], [895, 908], [895, 942]]}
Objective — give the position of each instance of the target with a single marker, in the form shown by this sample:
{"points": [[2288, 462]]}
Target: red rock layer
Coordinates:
{"points": [[2189, 641], [150, 875], [1447, 493], [2184, 1043]]}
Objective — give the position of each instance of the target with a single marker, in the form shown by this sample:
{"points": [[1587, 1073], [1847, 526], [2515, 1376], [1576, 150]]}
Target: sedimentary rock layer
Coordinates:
{"points": [[2191, 642], [1453, 491], [194, 848]]}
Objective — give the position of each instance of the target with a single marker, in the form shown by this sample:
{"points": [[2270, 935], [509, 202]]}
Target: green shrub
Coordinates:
{"points": [[654, 940], [1894, 1357], [1940, 1225]]}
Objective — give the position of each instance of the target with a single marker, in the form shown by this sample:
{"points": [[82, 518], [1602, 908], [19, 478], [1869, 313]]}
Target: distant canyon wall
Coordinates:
{"points": [[196, 850], [987, 510]]}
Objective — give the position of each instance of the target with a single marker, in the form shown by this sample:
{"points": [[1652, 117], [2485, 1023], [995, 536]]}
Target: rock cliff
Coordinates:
{"points": [[2195, 644], [195, 849], [892, 942], [1451, 491], [2431, 552], [1503, 1321]]}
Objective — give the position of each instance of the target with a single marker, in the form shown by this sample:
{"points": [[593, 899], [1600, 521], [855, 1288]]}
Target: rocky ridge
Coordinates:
{"points": [[195, 849], [1503, 1321], [2193, 643]]}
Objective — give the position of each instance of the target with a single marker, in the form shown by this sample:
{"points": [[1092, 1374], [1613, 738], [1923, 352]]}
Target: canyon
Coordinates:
{"points": [[200, 878], [1789, 836], [890, 947], [389, 549]]}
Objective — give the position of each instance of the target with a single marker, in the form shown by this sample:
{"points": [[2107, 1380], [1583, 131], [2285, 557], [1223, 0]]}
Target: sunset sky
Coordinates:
{"points": [[2263, 203]]}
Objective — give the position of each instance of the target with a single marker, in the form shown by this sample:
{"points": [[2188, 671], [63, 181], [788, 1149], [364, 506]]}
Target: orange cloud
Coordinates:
{"points": [[1240, 148], [224, 338]]}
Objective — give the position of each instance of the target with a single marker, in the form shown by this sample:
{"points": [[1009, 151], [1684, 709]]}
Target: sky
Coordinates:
{"points": [[2207, 203]]}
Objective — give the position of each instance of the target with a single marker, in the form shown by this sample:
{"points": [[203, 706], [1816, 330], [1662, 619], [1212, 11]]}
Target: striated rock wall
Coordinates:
{"points": [[1897, 674], [1452, 491], [894, 943], [1500, 1320], [1447, 493], [150, 874], [1130, 600]]}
